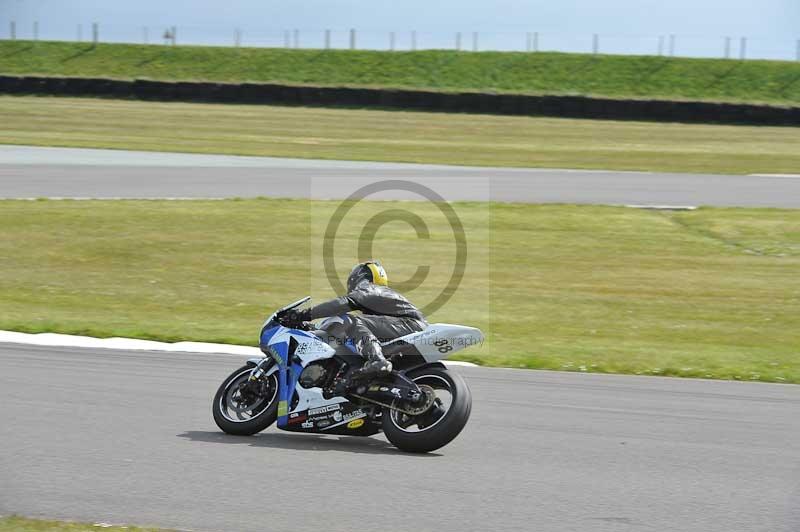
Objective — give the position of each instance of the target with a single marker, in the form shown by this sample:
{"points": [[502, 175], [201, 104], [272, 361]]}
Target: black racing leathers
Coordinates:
{"points": [[385, 315], [369, 298]]}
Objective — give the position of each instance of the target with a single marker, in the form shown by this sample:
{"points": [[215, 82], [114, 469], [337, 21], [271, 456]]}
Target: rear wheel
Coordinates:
{"points": [[439, 424], [244, 407]]}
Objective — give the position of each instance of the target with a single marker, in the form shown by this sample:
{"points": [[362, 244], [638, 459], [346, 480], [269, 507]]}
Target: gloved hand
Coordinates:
{"points": [[295, 317]]}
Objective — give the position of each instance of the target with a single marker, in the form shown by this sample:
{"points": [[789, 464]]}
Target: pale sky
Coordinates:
{"points": [[624, 26]]}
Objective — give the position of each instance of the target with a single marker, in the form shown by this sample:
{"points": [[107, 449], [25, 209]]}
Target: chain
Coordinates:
{"points": [[390, 407]]}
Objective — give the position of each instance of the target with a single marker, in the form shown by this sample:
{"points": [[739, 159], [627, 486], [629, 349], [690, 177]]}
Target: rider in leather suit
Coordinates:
{"points": [[385, 315]]}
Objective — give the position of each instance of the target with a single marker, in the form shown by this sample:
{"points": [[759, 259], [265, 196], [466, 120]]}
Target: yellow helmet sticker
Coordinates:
{"points": [[378, 274]]}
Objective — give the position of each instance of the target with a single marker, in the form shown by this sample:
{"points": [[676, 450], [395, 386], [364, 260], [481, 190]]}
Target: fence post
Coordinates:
{"points": [[743, 48], [237, 37], [391, 41], [528, 42], [352, 39], [80, 32], [295, 38], [13, 30], [327, 39], [174, 34], [458, 41], [145, 35], [413, 40], [536, 41], [671, 45], [595, 43], [474, 41], [95, 33], [798, 49], [36, 30], [660, 45], [727, 47]]}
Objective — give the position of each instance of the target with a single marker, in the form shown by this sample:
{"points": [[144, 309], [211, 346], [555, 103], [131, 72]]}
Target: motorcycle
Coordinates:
{"points": [[303, 383]]}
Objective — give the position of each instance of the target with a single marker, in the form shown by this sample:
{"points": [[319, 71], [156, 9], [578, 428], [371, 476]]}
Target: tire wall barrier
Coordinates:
{"points": [[464, 102]]}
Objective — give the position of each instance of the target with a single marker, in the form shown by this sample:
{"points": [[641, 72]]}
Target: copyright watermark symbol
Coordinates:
{"points": [[364, 232]]}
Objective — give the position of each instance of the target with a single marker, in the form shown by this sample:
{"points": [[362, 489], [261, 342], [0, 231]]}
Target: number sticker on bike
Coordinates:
{"points": [[442, 345]]}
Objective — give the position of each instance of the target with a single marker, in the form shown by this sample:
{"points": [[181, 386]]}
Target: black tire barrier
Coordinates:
{"points": [[458, 102]]}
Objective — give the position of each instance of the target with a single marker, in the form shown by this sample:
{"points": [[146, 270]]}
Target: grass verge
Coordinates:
{"points": [[774, 82], [398, 136], [710, 293], [21, 524]]}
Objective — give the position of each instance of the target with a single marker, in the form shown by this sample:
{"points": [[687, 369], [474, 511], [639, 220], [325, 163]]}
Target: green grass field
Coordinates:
{"points": [[775, 82], [710, 293], [398, 136], [21, 524]]}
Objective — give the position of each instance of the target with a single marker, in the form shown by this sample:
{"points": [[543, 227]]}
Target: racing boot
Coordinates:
{"points": [[375, 366]]}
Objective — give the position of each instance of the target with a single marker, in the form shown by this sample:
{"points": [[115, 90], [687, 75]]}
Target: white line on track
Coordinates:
{"points": [[132, 344], [785, 176]]}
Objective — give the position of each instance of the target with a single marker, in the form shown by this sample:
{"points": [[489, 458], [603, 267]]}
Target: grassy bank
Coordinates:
{"points": [[711, 293], [21, 524], [773, 82], [398, 136]]}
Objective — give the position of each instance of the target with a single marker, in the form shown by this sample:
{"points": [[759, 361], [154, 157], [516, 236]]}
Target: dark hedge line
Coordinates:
{"points": [[466, 102]]}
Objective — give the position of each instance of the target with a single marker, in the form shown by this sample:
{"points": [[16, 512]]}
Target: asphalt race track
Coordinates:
{"points": [[127, 437], [28, 172], [115, 436]]}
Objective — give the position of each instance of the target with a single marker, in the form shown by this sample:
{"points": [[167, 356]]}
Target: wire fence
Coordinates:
{"points": [[725, 46]]}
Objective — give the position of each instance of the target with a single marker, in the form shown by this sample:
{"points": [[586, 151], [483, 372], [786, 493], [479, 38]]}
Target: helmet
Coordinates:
{"points": [[371, 271]]}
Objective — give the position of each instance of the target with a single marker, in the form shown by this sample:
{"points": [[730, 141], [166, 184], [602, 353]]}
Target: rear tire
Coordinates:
{"points": [[224, 409], [441, 432]]}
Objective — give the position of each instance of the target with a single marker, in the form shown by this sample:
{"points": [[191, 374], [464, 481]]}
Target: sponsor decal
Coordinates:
{"points": [[296, 417], [337, 416], [309, 347], [322, 423], [275, 355], [283, 408], [354, 414], [323, 409], [396, 391], [356, 423], [307, 425]]}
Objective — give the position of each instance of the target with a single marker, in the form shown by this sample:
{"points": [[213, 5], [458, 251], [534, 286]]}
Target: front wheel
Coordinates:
{"points": [[244, 407], [439, 424]]}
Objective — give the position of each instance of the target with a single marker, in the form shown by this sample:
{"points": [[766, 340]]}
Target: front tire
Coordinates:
{"points": [[244, 408], [431, 432]]}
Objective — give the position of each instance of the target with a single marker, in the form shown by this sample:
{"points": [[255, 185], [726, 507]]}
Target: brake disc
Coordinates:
{"points": [[243, 399], [430, 397]]}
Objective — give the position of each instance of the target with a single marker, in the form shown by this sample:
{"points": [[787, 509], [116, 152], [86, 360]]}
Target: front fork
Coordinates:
{"points": [[262, 368]]}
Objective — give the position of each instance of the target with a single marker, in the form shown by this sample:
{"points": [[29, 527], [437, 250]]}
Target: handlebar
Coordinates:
{"points": [[282, 318]]}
